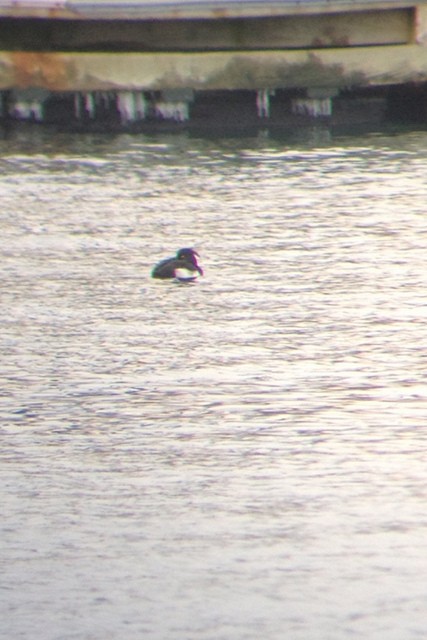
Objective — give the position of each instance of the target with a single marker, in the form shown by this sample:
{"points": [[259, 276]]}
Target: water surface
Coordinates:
{"points": [[237, 459]]}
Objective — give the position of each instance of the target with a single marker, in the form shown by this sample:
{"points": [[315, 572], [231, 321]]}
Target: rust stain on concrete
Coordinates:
{"points": [[45, 70]]}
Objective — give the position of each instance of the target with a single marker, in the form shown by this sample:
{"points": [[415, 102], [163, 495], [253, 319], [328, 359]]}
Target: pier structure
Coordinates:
{"points": [[129, 64]]}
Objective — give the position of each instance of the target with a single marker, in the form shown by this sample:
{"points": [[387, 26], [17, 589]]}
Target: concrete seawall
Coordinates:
{"points": [[139, 65]]}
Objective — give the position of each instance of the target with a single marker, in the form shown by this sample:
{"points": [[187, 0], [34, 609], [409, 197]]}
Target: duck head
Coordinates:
{"points": [[190, 257]]}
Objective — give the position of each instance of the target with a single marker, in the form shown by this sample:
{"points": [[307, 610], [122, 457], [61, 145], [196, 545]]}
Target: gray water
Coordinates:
{"points": [[240, 458]]}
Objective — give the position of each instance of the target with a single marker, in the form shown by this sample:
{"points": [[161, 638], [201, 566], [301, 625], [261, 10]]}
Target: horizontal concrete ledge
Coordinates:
{"points": [[337, 68], [273, 33], [173, 9]]}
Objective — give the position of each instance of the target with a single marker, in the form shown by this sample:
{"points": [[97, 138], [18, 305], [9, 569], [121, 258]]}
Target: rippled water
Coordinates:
{"points": [[237, 459]]}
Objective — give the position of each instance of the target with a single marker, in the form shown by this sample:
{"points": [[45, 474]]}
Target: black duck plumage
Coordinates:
{"points": [[185, 261]]}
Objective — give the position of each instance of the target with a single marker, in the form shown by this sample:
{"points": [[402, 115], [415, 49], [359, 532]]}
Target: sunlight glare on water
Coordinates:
{"points": [[235, 459]]}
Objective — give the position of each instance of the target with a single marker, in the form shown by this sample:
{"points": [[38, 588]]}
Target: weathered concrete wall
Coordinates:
{"points": [[375, 44], [134, 62], [351, 67]]}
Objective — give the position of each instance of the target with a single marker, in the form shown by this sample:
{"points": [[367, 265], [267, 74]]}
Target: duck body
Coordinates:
{"points": [[183, 267]]}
